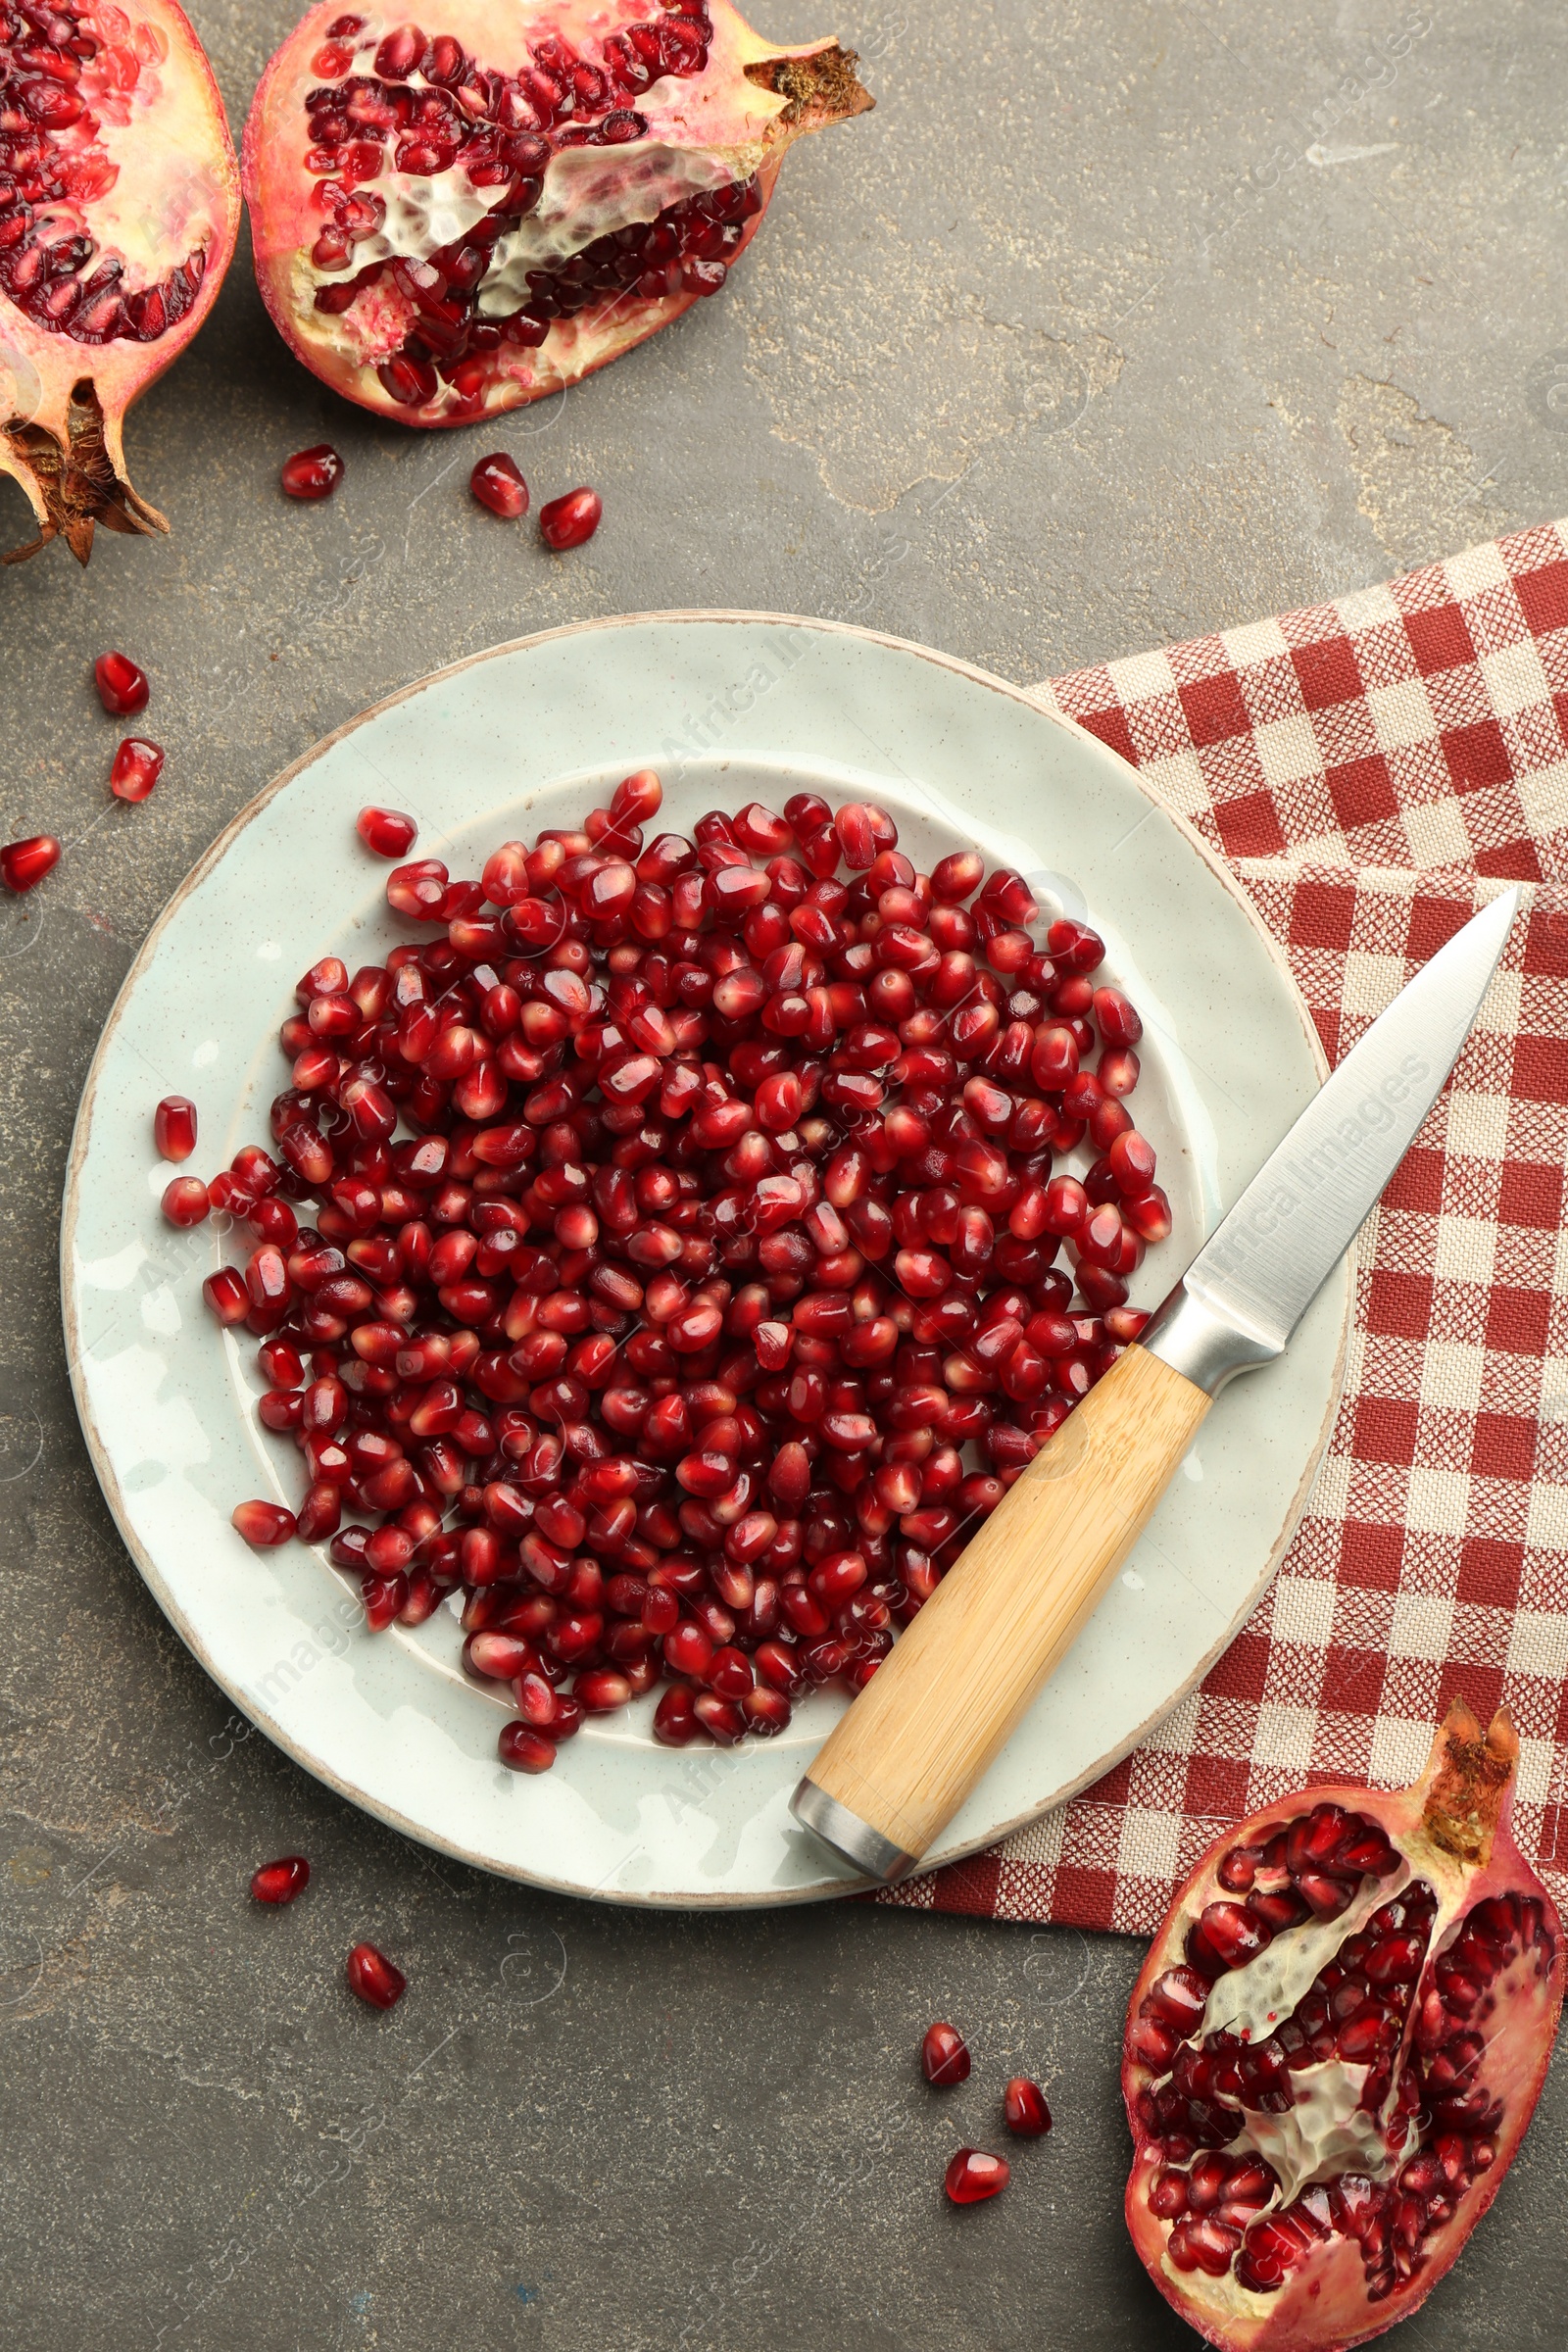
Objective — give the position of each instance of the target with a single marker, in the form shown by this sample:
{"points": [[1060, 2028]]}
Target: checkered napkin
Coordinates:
{"points": [[1374, 770]]}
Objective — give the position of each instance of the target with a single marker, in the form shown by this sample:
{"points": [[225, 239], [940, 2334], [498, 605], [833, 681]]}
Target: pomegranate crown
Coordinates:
{"points": [[1469, 1779]]}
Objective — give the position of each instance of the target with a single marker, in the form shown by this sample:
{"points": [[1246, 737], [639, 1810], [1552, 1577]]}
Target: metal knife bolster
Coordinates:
{"points": [[1205, 1341]]}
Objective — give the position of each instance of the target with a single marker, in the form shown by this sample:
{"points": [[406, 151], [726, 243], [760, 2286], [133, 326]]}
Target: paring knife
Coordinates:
{"points": [[901, 1762]]}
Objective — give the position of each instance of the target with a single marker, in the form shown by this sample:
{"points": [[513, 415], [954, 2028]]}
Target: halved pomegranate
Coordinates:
{"points": [[119, 211], [1334, 2049], [453, 220]]}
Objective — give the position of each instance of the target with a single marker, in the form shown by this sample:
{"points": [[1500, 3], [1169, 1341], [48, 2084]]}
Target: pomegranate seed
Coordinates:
{"points": [[372, 1975], [523, 1749], [121, 687], [136, 767], [386, 831], [497, 484], [312, 473], [943, 2056], [24, 863], [972, 2176], [1025, 2107], [174, 1128], [570, 521], [281, 1882], [186, 1201], [263, 1524]]}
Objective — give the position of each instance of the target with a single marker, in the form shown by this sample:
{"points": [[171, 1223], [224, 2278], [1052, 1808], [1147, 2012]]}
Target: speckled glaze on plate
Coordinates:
{"points": [[729, 707]]}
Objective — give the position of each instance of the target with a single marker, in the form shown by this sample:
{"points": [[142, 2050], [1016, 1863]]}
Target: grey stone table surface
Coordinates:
{"points": [[1109, 325]]}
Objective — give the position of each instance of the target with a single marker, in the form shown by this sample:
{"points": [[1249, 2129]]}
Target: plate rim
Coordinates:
{"points": [[1036, 700]]}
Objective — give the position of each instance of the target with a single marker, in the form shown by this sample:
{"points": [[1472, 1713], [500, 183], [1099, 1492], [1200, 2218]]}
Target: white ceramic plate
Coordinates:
{"points": [[729, 707]]}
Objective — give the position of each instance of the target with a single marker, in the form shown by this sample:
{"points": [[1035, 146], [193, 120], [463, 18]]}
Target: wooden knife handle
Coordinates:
{"points": [[948, 1696]]}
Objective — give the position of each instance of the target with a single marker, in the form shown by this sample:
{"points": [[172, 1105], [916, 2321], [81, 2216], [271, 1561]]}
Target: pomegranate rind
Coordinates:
{"points": [[731, 122], [1452, 1823], [63, 403]]}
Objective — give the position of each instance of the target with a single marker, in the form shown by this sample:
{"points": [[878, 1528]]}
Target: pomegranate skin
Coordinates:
{"points": [[718, 122], [153, 146], [1451, 1836]]}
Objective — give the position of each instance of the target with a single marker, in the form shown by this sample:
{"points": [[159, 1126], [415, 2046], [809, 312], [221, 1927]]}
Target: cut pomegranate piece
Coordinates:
{"points": [[122, 685], [943, 2056], [281, 1882], [1024, 2108], [174, 1128], [571, 520], [497, 483], [136, 767], [972, 2176], [372, 1975], [386, 831], [119, 210], [312, 473], [1323, 2106], [447, 225]]}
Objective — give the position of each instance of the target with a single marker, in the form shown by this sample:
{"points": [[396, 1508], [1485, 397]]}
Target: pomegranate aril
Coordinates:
{"points": [[387, 832], [24, 863], [263, 1524], [312, 473], [373, 1976], [1024, 2108], [174, 1128], [522, 1748], [281, 1882], [186, 1202], [972, 2177], [123, 687], [945, 2056], [135, 768], [497, 483], [570, 521]]}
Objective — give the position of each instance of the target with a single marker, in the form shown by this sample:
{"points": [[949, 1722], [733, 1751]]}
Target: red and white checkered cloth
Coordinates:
{"points": [[1374, 770]]}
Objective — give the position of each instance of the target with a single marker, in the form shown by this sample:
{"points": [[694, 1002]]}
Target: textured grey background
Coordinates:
{"points": [[1109, 327]]}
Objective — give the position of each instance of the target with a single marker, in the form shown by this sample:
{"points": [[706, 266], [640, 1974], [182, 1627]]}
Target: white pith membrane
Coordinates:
{"points": [[588, 191], [1364, 2199]]}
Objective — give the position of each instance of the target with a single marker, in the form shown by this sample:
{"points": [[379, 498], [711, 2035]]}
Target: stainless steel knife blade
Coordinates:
{"points": [[1273, 1249]]}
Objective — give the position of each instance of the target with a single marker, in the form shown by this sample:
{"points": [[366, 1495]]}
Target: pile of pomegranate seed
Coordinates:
{"points": [[972, 2176], [312, 473], [570, 521], [663, 1254], [24, 863], [281, 1882]]}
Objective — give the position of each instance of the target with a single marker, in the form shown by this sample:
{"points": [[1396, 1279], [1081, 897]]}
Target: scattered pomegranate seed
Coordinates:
{"points": [[187, 1201], [497, 484], [263, 1524], [973, 2175], [570, 521], [174, 1128], [137, 766], [281, 1882], [1025, 2109], [945, 2056], [386, 831], [663, 1257], [312, 473], [121, 687], [374, 1978], [24, 863]]}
